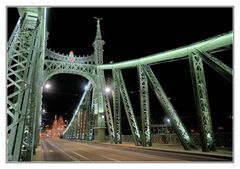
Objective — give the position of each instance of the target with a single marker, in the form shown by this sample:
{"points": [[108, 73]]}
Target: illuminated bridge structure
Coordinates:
{"points": [[31, 64]]}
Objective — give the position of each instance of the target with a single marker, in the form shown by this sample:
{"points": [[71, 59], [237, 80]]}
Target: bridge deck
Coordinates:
{"points": [[64, 150]]}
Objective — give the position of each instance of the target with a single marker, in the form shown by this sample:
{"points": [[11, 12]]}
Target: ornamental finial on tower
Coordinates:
{"points": [[98, 34]]}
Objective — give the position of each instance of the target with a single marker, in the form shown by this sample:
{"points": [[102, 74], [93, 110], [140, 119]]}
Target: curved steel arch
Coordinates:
{"points": [[58, 67]]}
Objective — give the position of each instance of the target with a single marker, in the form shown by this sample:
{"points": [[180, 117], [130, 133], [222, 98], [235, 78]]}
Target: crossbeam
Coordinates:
{"points": [[205, 45]]}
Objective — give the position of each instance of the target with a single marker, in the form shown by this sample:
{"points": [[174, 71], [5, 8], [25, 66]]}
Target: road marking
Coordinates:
{"points": [[110, 158], [81, 156], [73, 158]]}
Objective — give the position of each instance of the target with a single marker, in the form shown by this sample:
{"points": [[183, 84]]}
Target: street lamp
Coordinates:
{"points": [[167, 121], [107, 89], [47, 86], [86, 87]]}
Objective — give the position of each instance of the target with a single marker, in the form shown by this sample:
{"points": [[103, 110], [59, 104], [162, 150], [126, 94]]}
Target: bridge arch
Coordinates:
{"points": [[88, 77], [55, 67]]}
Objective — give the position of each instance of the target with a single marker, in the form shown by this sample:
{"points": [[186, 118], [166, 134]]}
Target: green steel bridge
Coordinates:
{"points": [[31, 64]]}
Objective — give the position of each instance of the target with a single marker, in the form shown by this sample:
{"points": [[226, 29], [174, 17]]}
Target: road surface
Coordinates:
{"points": [[64, 150]]}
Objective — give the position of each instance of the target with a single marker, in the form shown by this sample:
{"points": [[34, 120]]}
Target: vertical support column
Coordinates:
{"points": [[87, 110], [99, 129], [75, 128], [117, 108], [81, 122], [22, 56], [38, 81], [201, 101], [78, 125], [129, 110], [145, 108], [91, 115], [168, 108], [108, 109]]}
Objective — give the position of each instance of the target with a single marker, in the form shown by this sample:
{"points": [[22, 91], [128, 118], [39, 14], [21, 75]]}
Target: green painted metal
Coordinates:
{"points": [[23, 52], [116, 108], [87, 110], [90, 116], [98, 45], [211, 44], [169, 110], [52, 67], [145, 108], [108, 110], [216, 64], [94, 110], [201, 101], [79, 113], [128, 109]]}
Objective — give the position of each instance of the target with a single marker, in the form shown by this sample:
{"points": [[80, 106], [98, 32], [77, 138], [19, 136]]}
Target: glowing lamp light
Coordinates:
{"points": [[86, 87], [107, 89], [47, 86]]}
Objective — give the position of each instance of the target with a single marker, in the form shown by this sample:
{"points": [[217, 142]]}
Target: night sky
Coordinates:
{"points": [[131, 33]]}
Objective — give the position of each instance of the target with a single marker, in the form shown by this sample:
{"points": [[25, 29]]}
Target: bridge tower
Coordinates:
{"points": [[99, 129]]}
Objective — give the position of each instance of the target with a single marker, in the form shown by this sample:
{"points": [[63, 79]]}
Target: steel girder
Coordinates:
{"points": [[210, 44], [78, 126], [128, 108], [168, 108], [145, 108], [117, 108], [90, 123], [216, 64], [23, 48], [90, 116], [78, 122], [107, 105], [87, 111], [52, 67], [52, 55], [201, 101]]}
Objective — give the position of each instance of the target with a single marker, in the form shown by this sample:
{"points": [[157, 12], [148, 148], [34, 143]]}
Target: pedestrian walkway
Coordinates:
{"points": [[38, 155]]}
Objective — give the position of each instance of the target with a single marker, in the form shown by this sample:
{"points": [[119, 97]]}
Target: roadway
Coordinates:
{"points": [[64, 150]]}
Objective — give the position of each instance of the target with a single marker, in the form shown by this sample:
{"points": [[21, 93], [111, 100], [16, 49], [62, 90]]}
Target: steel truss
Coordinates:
{"points": [[216, 64], [145, 108], [168, 108], [128, 108], [108, 110], [24, 52], [116, 108], [201, 100]]}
